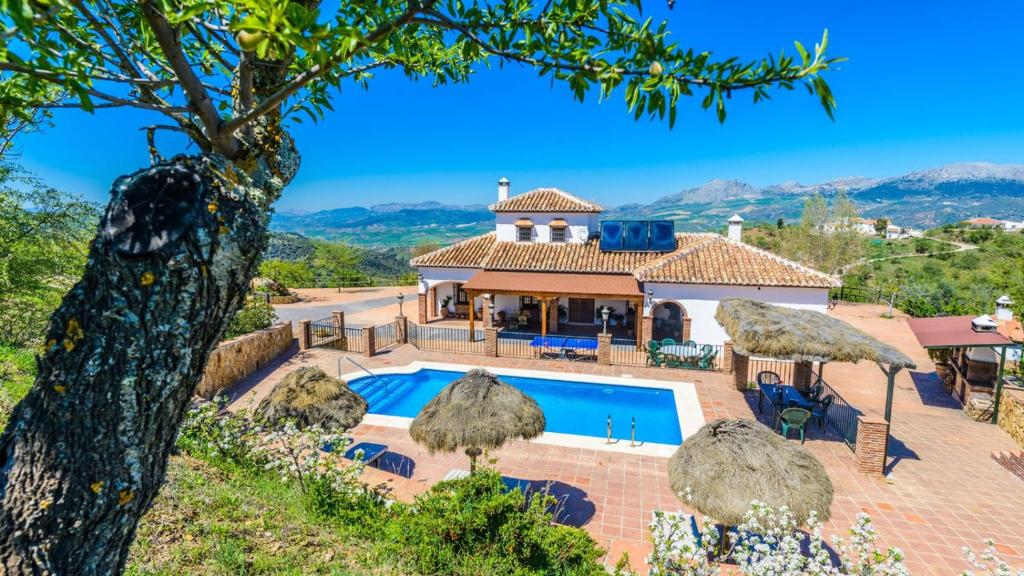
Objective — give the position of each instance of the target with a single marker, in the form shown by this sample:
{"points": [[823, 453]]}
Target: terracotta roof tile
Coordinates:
{"points": [[545, 200], [718, 260], [697, 259], [468, 253]]}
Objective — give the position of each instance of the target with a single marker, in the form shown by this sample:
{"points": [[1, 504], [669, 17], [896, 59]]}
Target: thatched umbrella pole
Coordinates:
{"points": [[477, 412], [728, 464]]}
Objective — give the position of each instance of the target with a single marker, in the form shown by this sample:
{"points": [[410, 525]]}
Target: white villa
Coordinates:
{"points": [[551, 265]]}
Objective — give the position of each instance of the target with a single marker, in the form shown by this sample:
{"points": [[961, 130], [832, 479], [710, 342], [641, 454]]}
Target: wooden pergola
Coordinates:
{"points": [[547, 288]]}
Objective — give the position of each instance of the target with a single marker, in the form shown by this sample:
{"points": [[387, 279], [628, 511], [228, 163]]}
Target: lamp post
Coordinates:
{"points": [[490, 310], [401, 297], [650, 298], [605, 313]]}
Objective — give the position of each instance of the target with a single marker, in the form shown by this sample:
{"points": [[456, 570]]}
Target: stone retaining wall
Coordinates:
{"points": [[235, 359], [289, 299], [1011, 414]]}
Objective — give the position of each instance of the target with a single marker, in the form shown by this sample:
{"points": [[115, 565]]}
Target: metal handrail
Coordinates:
{"points": [[364, 369]]}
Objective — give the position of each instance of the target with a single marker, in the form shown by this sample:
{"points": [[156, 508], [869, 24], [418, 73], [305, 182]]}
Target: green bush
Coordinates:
{"points": [[296, 274], [255, 315], [477, 526], [17, 372]]}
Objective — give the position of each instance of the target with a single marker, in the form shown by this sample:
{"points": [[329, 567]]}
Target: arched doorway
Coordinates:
{"points": [[668, 321]]}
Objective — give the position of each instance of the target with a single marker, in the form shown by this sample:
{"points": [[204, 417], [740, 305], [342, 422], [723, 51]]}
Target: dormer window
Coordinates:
{"points": [[524, 230], [558, 227]]}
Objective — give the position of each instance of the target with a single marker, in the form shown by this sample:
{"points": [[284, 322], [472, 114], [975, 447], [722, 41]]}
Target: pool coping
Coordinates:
{"points": [[688, 408]]}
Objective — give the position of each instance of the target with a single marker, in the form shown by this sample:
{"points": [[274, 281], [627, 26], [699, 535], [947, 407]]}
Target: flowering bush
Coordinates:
{"points": [[989, 563], [222, 438], [767, 543]]}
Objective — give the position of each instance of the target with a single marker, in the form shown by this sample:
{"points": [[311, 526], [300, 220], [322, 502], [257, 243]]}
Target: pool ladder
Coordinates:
{"points": [[364, 369], [632, 432]]}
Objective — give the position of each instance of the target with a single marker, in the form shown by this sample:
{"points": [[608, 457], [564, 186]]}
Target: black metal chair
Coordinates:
{"points": [[768, 377]]}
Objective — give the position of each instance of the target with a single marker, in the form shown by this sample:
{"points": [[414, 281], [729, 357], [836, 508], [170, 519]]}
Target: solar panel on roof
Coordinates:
{"points": [[636, 236], [663, 236], [611, 235]]}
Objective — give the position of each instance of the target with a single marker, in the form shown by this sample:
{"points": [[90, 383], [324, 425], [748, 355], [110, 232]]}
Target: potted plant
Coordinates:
{"points": [[941, 357], [444, 306]]}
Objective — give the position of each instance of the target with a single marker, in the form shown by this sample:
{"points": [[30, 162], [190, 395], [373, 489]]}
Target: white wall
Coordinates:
{"points": [[432, 276], [701, 302], [579, 229]]}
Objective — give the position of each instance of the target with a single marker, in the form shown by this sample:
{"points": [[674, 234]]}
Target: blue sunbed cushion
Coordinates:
{"points": [[370, 451]]}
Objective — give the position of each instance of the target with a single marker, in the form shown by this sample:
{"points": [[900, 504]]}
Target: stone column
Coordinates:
{"points": [[604, 349], [686, 327], [872, 444], [402, 325], [491, 341], [305, 334], [422, 305], [741, 368], [802, 376], [727, 354], [369, 341]]}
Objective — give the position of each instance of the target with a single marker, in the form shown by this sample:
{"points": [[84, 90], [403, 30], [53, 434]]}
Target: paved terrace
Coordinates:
{"points": [[943, 490]]}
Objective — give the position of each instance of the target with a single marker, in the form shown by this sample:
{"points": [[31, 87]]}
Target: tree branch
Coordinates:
{"points": [[268, 104]]}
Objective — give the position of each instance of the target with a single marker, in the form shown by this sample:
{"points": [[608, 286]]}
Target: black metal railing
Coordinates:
{"points": [[784, 368], [624, 351], [324, 334], [516, 344], [446, 339], [841, 416], [385, 336], [689, 356], [522, 345]]}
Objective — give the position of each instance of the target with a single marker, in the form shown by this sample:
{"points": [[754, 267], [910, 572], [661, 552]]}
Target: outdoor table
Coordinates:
{"points": [[790, 396], [687, 354]]}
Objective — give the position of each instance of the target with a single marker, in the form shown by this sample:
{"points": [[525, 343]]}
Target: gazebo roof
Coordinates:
{"points": [[953, 332], [761, 329]]}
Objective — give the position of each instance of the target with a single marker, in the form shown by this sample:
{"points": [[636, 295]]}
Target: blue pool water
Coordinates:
{"points": [[569, 407]]}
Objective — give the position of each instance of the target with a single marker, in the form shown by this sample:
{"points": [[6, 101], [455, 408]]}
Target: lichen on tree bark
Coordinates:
{"points": [[86, 451]]}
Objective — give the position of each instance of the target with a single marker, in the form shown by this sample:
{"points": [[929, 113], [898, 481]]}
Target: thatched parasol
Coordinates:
{"points": [[476, 412], [761, 329], [310, 397], [728, 464]]}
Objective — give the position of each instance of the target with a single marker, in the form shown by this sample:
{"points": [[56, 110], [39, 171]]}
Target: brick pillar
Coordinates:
{"points": [[369, 341], [486, 311], [646, 330], [338, 320], [553, 315], [491, 341], [686, 327], [741, 368], [872, 444], [727, 357], [604, 349], [432, 304], [802, 376], [305, 334], [422, 305], [402, 324]]}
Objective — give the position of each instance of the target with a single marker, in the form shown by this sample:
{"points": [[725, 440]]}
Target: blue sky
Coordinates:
{"points": [[927, 83]]}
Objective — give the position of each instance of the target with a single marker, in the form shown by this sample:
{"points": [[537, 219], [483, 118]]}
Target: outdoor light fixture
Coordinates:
{"points": [[490, 309], [400, 298], [650, 297], [605, 313]]}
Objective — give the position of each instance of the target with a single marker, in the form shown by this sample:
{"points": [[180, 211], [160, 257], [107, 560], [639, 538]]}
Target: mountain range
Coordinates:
{"points": [[922, 199]]}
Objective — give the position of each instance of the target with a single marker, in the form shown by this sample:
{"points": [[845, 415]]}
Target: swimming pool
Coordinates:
{"points": [[572, 404]]}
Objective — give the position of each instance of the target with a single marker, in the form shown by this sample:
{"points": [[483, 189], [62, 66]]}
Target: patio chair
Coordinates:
{"points": [[673, 361], [814, 394], [654, 356], [707, 357], [768, 377], [668, 342], [794, 418], [820, 410], [366, 452]]}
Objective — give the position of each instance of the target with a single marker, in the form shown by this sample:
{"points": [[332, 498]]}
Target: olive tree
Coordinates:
{"points": [[86, 451]]}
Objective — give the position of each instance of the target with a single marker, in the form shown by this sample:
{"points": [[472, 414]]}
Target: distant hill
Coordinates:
{"points": [[922, 199]]}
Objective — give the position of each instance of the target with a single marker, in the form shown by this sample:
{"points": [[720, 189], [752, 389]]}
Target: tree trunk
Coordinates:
{"points": [[86, 451]]}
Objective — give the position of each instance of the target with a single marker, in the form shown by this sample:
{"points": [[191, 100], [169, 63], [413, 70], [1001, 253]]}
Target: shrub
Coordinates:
{"points": [[477, 526], [255, 315], [17, 372], [291, 274], [221, 438]]}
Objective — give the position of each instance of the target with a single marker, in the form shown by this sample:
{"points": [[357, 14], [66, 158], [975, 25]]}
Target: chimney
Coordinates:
{"points": [[503, 188], [736, 228], [1004, 308]]}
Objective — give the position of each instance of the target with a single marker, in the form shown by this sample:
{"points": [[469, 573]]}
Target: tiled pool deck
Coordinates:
{"points": [[943, 492]]}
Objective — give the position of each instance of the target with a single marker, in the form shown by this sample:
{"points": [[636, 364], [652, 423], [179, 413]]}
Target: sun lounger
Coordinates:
{"points": [[366, 452], [456, 474]]}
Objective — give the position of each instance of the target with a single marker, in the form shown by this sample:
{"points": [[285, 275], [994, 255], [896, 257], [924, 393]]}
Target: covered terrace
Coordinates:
{"points": [[805, 337], [584, 294]]}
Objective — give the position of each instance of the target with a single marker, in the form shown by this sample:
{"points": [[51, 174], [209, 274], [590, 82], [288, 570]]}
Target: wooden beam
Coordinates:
{"points": [[472, 313], [543, 317]]}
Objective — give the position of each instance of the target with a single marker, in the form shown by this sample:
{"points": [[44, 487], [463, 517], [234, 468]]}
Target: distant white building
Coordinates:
{"points": [[866, 227], [1011, 226]]}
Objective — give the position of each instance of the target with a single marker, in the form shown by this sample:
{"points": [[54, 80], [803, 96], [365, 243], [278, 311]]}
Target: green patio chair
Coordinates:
{"points": [[654, 356], [794, 418], [668, 342], [707, 357], [673, 361]]}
